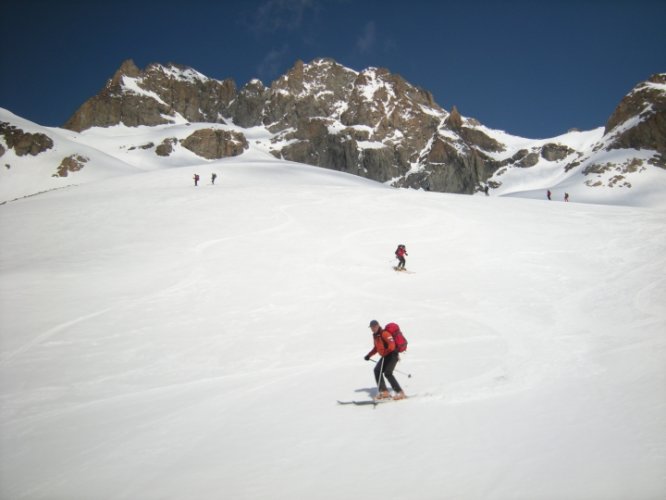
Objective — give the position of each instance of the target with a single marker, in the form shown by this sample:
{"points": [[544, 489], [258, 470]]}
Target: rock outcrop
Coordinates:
{"points": [[24, 143], [215, 144], [158, 95], [165, 148], [72, 163], [639, 121]]}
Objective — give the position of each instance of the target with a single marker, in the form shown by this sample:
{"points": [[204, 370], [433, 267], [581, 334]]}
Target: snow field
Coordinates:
{"points": [[166, 341]]}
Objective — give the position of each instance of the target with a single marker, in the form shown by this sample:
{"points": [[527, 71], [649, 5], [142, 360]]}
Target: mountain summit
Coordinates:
{"points": [[370, 123]]}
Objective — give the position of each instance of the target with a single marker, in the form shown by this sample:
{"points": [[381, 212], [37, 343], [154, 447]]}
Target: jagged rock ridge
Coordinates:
{"points": [[371, 123], [639, 121]]}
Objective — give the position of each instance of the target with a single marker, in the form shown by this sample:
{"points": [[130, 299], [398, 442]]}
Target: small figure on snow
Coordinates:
{"points": [[566, 196], [213, 177], [384, 344], [549, 194], [485, 189], [196, 179], [400, 253]]}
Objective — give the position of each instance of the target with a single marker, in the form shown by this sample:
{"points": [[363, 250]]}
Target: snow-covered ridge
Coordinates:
{"points": [[651, 85], [122, 150], [375, 124], [183, 74]]}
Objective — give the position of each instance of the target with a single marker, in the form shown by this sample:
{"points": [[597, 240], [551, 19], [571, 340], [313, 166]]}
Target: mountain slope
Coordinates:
{"points": [[608, 176], [164, 341], [375, 124]]}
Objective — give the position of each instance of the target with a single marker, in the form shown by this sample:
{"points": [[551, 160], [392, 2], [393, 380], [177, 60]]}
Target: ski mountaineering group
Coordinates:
{"points": [[388, 342]]}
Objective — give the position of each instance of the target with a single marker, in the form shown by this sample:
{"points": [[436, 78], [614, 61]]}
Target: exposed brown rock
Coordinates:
{"points": [[454, 120], [555, 152], [529, 160], [72, 163], [646, 103], [214, 144], [165, 148], [154, 96], [476, 137], [24, 143]]}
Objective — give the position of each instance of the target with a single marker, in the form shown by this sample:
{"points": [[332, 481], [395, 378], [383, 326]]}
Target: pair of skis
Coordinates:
{"points": [[367, 402]]}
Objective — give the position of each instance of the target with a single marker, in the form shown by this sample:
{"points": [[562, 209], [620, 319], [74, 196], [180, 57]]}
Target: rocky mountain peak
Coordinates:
{"points": [[454, 120], [127, 68], [159, 94], [292, 81], [318, 79], [372, 123], [639, 121]]}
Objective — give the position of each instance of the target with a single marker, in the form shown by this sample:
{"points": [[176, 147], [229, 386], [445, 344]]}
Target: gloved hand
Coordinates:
{"points": [[366, 357]]}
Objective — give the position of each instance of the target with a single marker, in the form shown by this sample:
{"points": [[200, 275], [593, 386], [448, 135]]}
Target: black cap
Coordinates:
{"points": [[374, 322]]}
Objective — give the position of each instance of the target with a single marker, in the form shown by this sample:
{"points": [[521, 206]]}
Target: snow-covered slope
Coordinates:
{"points": [[601, 175], [161, 340], [27, 175], [121, 150]]}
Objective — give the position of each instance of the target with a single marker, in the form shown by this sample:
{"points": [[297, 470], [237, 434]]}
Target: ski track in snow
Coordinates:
{"points": [[40, 338]]}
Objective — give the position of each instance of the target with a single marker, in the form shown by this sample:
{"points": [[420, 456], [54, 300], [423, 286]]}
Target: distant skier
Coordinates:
{"points": [[485, 189], [566, 196], [549, 194], [196, 179], [385, 346], [400, 253], [212, 178]]}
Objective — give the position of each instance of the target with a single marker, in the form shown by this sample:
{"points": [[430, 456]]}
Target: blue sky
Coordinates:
{"points": [[532, 68]]}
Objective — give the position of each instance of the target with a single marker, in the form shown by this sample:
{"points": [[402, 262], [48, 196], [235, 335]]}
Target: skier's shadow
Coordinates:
{"points": [[370, 391]]}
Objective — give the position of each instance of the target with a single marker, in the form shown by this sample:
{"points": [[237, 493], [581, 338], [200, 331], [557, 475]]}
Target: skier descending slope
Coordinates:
{"points": [[385, 346], [400, 253]]}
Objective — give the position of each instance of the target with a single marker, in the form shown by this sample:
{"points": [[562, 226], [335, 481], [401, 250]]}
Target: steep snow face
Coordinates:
{"points": [[372, 84], [161, 340], [183, 74], [132, 85]]}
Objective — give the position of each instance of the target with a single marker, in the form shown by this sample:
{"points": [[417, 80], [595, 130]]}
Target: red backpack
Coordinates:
{"points": [[398, 337]]}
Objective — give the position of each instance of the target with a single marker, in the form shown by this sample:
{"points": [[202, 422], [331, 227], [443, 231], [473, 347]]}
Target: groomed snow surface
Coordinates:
{"points": [[166, 341]]}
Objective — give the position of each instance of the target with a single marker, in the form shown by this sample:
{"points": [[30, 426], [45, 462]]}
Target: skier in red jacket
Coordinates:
{"points": [[400, 253], [385, 346]]}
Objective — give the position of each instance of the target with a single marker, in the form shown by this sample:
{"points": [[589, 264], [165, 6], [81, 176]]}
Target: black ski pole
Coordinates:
{"points": [[409, 375], [381, 374]]}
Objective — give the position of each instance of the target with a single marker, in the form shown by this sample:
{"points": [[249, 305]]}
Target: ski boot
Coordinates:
{"points": [[382, 395]]}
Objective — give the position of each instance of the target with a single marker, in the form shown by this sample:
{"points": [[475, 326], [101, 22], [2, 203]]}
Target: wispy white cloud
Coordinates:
{"points": [[272, 63], [367, 40], [280, 15]]}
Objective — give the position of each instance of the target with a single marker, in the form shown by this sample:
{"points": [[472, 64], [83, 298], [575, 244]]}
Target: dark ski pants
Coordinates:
{"points": [[384, 368], [401, 263]]}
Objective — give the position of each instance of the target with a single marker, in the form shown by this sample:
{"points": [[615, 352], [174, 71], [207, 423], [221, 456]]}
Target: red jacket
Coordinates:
{"points": [[401, 251], [384, 344]]}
